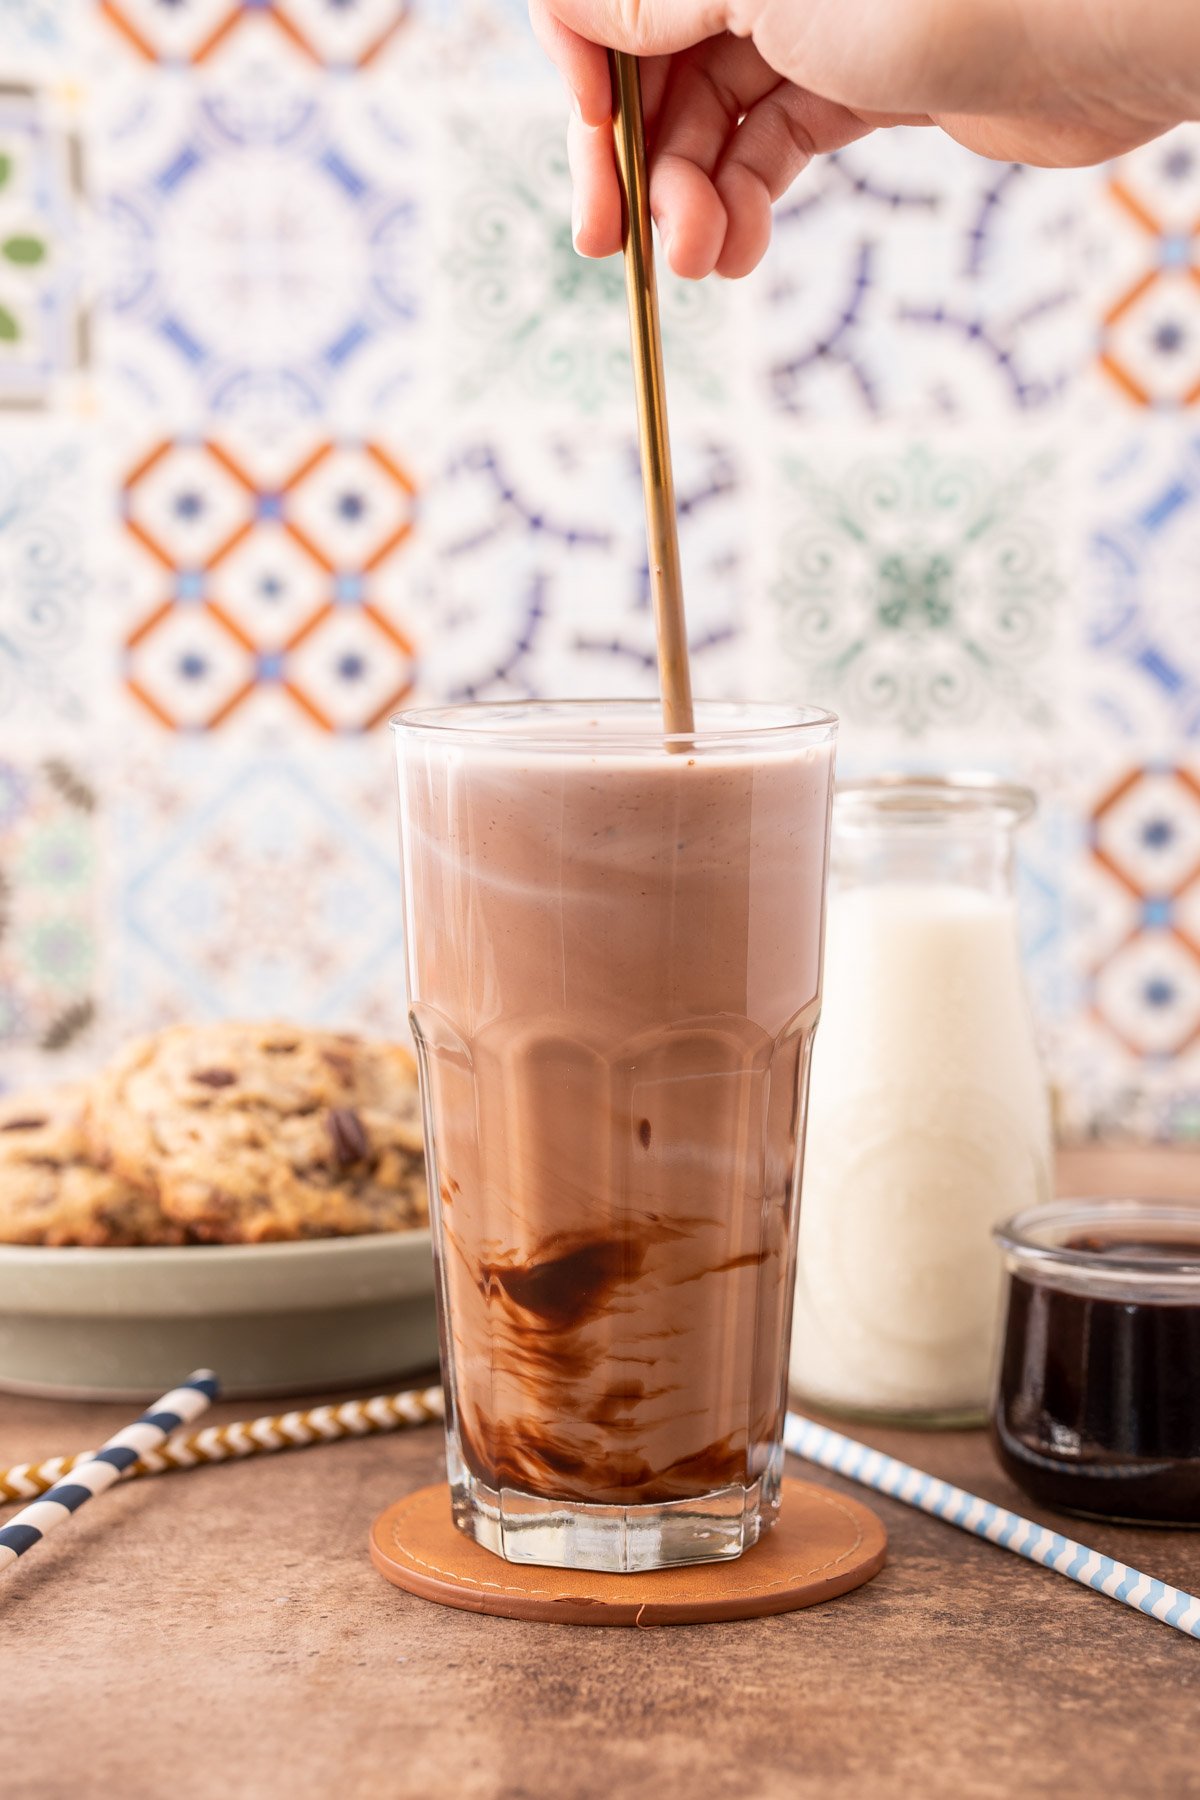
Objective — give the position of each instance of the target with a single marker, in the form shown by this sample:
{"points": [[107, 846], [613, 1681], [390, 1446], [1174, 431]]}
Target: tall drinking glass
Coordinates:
{"points": [[614, 957]]}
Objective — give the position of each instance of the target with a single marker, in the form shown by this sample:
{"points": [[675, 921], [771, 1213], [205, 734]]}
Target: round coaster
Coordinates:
{"points": [[822, 1545]]}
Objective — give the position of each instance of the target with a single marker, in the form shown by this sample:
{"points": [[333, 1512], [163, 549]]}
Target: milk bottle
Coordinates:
{"points": [[928, 1119]]}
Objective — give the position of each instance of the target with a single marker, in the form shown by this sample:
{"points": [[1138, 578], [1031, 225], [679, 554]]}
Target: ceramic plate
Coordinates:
{"points": [[269, 1318]]}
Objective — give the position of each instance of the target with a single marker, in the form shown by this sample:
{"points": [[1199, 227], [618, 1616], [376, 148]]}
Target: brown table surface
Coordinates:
{"points": [[222, 1632]]}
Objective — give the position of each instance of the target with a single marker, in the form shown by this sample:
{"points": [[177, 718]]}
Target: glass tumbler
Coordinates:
{"points": [[614, 953]]}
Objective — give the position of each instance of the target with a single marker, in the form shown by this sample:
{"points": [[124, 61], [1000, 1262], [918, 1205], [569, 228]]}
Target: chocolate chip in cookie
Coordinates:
{"points": [[215, 1078], [350, 1142]]}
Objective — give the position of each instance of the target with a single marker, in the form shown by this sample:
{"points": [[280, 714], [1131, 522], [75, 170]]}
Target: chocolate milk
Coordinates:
{"points": [[615, 972]]}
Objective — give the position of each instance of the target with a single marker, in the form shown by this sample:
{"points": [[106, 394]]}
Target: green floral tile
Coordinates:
{"points": [[918, 589], [49, 942], [42, 331], [528, 314]]}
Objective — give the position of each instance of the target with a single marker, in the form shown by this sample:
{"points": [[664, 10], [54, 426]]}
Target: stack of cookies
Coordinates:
{"points": [[219, 1134]]}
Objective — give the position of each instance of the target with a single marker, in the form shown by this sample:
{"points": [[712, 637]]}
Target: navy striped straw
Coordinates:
{"points": [[107, 1465], [970, 1512]]}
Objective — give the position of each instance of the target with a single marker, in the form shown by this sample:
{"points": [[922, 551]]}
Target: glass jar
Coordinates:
{"points": [[929, 1117], [1097, 1408]]}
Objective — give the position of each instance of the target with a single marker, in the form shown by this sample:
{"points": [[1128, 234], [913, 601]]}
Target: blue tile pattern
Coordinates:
{"points": [[329, 413]]}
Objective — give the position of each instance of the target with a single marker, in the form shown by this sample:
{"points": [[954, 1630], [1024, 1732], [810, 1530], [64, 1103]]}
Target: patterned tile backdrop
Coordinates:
{"points": [[307, 407]]}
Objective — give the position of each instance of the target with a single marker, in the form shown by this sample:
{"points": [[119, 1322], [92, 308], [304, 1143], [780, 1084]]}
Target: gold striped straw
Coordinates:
{"points": [[249, 1437]]}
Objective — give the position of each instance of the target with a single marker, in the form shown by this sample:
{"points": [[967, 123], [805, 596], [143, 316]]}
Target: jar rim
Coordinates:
{"points": [[895, 798], [1044, 1240]]}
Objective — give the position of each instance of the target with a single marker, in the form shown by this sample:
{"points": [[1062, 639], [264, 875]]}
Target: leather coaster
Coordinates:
{"points": [[822, 1545]]}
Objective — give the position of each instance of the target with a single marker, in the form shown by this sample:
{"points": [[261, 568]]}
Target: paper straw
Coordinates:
{"points": [[103, 1467], [249, 1437], [970, 1512]]}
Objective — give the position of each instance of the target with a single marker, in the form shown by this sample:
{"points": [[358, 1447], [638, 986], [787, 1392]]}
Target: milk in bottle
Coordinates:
{"points": [[928, 1119]]}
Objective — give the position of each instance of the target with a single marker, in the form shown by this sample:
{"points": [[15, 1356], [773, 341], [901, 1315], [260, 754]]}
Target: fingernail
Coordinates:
{"points": [[576, 218]]}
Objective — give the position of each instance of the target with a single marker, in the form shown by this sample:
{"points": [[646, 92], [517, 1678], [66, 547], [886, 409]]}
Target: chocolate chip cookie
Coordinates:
{"points": [[51, 1192], [251, 1132]]}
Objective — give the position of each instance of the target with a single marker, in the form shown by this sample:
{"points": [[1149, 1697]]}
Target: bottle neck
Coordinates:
{"points": [[977, 855]]}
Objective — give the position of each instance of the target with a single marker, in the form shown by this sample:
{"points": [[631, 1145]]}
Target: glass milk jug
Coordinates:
{"points": [[929, 1118]]}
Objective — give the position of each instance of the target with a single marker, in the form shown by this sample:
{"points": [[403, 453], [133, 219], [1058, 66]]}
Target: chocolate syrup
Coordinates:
{"points": [[1098, 1407]]}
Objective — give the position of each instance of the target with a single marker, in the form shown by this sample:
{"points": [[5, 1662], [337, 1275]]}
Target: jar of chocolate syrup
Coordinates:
{"points": [[1097, 1403]]}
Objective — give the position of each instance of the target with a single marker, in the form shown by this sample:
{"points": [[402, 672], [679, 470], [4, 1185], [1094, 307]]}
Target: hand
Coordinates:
{"points": [[741, 94]]}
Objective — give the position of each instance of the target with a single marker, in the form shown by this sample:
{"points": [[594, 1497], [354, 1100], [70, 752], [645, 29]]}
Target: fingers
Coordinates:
{"points": [[596, 211], [727, 137], [772, 146], [584, 68], [596, 199], [731, 139], [708, 91], [583, 65]]}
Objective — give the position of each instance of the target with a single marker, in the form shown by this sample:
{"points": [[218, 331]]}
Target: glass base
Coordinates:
{"points": [[618, 1540]]}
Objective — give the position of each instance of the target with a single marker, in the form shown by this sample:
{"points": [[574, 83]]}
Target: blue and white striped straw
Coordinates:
{"points": [[107, 1465], [970, 1512]]}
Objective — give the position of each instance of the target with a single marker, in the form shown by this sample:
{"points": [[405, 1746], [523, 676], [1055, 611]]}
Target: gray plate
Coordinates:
{"points": [[269, 1318]]}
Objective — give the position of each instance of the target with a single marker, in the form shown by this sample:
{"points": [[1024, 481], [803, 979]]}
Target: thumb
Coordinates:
{"points": [[647, 27]]}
